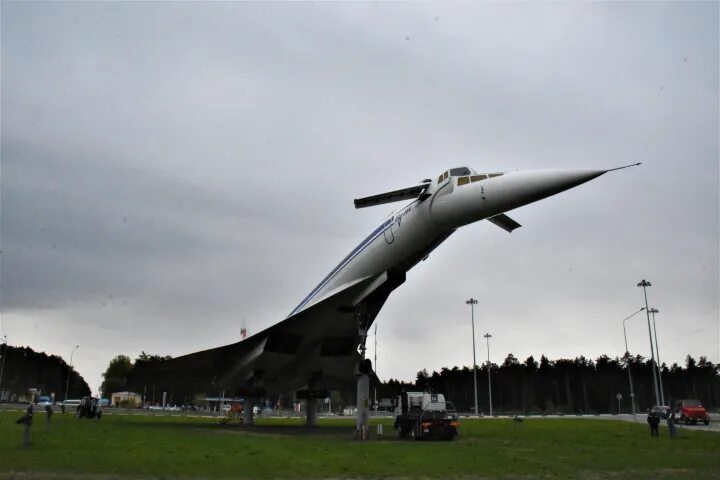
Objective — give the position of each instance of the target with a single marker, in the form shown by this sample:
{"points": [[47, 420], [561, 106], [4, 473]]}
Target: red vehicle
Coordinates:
{"points": [[691, 412]]}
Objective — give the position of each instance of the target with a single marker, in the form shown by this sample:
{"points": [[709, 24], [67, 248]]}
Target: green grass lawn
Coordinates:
{"points": [[130, 446]]}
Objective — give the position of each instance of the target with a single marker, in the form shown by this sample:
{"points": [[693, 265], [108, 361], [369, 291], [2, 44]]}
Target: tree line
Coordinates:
{"points": [[576, 385], [117, 377], [23, 369]]}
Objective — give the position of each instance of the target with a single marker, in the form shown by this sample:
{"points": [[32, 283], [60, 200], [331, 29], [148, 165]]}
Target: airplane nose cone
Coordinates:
{"points": [[546, 183], [520, 188]]}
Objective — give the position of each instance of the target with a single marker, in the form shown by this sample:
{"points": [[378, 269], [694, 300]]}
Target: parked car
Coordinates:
{"points": [[691, 412], [89, 408], [661, 411]]}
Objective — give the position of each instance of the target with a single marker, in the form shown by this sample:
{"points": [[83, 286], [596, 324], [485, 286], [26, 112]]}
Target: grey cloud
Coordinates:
{"points": [[198, 161]]}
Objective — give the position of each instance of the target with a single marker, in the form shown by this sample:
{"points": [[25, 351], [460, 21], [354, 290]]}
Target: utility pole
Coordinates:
{"points": [[653, 311], [627, 356], [375, 362], [67, 386], [487, 338], [472, 302], [644, 284]]}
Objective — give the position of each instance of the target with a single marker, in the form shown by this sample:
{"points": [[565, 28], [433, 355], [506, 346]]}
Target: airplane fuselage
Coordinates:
{"points": [[409, 235]]}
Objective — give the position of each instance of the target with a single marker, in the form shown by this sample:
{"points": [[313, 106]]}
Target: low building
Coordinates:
{"points": [[125, 399]]}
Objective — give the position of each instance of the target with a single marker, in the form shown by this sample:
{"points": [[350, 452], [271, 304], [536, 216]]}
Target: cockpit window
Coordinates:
{"points": [[457, 172], [468, 174], [476, 178]]}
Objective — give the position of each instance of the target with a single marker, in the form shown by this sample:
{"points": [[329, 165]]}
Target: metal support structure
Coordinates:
{"points": [[67, 385], [627, 355], [472, 302], [653, 311], [644, 284], [487, 338]]}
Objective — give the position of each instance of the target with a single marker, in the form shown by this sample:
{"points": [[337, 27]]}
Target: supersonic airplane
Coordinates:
{"points": [[321, 343]]}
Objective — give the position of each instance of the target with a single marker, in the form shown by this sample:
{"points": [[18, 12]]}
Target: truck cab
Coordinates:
{"points": [[424, 415]]}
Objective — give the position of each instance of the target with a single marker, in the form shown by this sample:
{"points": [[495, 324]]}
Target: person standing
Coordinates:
{"points": [[671, 419], [653, 420], [49, 412], [27, 421]]}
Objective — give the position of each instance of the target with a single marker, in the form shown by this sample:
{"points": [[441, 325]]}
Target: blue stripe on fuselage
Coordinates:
{"points": [[368, 240]]}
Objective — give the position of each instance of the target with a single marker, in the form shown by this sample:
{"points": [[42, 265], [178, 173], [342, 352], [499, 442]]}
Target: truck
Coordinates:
{"points": [[424, 415], [691, 412]]}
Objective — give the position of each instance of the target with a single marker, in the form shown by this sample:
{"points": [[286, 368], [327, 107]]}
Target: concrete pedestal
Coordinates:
{"points": [[311, 404], [362, 422], [248, 418]]}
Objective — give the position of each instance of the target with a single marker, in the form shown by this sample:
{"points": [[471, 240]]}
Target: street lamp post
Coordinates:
{"points": [[653, 311], [2, 364], [67, 385], [487, 338], [627, 355], [472, 302], [644, 284]]}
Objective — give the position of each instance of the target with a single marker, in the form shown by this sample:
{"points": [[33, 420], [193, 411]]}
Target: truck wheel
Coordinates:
{"points": [[99, 414], [400, 433], [706, 421]]}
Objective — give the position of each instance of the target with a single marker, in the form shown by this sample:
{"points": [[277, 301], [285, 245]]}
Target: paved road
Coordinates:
{"points": [[642, 418], [639, 418]]}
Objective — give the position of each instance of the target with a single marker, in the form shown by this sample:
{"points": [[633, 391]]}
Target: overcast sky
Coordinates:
{"points": [[174, 171]]}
